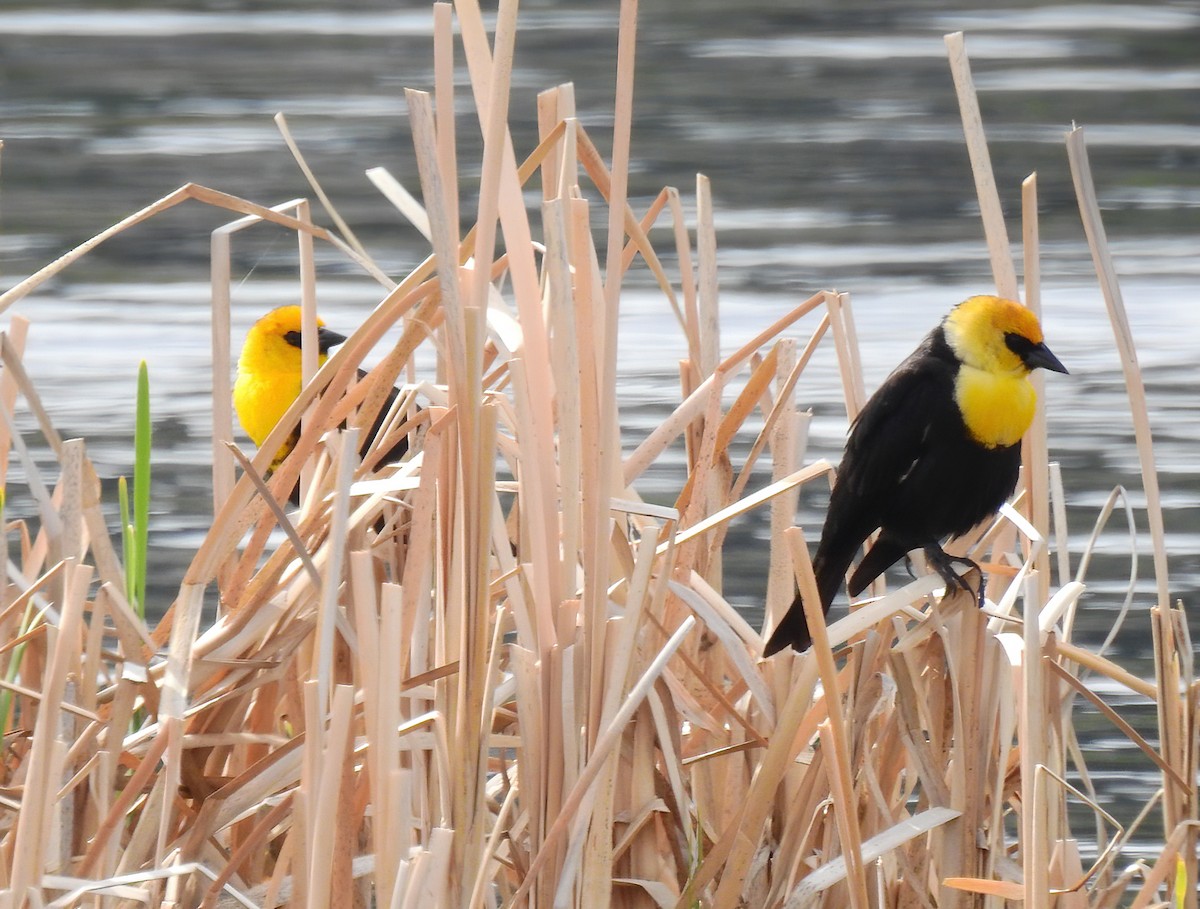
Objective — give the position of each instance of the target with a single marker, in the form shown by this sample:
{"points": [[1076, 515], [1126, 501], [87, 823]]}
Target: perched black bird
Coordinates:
{"points": [[934, 451]]}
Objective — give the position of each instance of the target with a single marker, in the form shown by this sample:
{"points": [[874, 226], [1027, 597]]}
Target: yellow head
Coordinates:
{"points": [[998, 336], [997, 342], [269, 370]]}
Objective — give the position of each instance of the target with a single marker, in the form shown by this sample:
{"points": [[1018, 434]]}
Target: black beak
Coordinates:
{"points": [[327, 339], [1039, 355], [1033, 355]]}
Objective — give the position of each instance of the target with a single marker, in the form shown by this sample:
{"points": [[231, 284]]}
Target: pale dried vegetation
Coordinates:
{"points": [[492, 675]]}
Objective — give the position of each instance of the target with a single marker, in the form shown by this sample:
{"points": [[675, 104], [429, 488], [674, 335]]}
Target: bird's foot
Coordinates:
{"points": [[943, 564]]}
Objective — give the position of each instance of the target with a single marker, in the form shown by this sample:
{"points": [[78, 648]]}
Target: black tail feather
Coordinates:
{"points": [[879, 558], [829, 568], [792, 631]]}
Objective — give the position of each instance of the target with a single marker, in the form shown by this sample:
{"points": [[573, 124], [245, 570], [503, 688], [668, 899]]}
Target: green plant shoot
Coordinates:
{"points": [[135, 525]]}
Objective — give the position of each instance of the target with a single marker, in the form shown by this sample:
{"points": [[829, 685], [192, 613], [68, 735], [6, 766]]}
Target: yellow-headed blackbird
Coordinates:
{"points": [[934, 451], [269, 380]]}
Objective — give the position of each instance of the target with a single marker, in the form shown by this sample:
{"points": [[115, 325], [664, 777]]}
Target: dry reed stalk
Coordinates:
{"points": [[344, 230], [1089, 210], [14, 338], [832, 730], [1035, 454], [1177, 719], [491, 675], [992, 214]]}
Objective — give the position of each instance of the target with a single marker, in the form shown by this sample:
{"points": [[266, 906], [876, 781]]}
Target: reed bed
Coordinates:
{"points": [[492, 674]]}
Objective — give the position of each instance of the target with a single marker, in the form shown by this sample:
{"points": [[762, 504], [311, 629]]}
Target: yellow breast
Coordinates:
{"points": [[262, 398], [996, 406]]}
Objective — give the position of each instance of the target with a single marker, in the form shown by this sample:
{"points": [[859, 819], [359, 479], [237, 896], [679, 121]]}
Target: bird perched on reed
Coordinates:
{"points": [[934, 451], [269, 380]]}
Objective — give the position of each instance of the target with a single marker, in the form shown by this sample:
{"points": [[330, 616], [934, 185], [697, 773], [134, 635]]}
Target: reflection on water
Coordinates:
{"points": [[1129, 17], [321, 23], [830, 134], [1092, 79], [861, 48]]}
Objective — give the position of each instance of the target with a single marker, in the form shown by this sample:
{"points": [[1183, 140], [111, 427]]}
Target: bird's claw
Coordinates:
{"points": [[943, 564]]}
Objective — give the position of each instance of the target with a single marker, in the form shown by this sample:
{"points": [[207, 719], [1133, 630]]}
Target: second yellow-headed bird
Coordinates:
{"points": [[269, 374], [934, 451], [269, 379]]}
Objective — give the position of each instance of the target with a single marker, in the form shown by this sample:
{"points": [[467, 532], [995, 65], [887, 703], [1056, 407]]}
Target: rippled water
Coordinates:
{"points": [[832, 138]]}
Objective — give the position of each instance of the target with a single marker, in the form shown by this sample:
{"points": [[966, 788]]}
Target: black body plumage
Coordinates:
{"points": [[912, 470]]}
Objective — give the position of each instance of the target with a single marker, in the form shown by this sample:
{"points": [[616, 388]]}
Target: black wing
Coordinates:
{"points": [[898, 432], [913, 408]]}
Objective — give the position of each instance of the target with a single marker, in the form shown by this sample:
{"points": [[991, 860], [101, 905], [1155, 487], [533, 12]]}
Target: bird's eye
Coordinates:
{"points": [[1019, 344], [292, 337]]}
